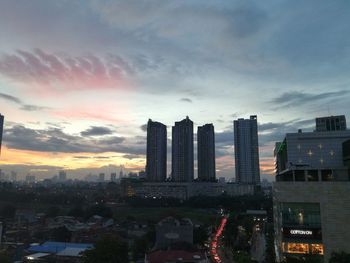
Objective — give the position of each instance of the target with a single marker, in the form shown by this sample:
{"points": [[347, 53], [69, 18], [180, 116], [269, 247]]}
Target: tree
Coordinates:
{"points": [[8, 211], [61, 234], [53, 211], [4, 258], [108, 249], [339, 257]]}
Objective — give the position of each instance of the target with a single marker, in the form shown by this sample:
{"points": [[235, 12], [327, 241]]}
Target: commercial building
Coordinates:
{"points": [[246, 150], [170, 231], [156, 151], [346, 153], [1, 129], [113, 177], [182, 151], [206, 153], [331, 123], [311, 194], [183, 190]]}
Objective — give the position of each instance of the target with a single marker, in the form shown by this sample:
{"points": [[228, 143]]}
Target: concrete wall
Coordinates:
{"points": [[334, 200]]}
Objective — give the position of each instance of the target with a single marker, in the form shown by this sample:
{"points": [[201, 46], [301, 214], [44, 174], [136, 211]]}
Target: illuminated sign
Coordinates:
{"points": [[301, 232], [309, 233]]}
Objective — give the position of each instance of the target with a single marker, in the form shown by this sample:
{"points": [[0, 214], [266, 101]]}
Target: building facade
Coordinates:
{"points": [[156, 151], [246, 150], [170, 231], [206, 153], [182, 151], [311, 199], [331, 123]]}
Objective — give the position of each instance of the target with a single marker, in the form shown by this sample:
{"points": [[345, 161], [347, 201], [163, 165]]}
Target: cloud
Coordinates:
{"points": [[10, 98], [297, 98], [25, 107], [96, 131], [224, 137], [143, 127], [55, 140], [132, 156], [80, 72], [186, 100]]}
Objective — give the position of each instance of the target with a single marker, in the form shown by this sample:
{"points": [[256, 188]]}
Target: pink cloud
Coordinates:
{"points": [[85, 115], [57, 72]]}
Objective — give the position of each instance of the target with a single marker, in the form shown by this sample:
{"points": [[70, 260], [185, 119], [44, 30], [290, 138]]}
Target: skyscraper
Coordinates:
{"points": [[247, 150], [1, 129], [156, 151], [182, 151], [206, 152]]}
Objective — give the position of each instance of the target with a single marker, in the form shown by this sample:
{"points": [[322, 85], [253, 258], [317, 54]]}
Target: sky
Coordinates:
{"points": [[80, 79]]}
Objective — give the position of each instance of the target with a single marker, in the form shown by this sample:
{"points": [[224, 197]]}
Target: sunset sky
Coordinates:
{"points": [[80, 79]]}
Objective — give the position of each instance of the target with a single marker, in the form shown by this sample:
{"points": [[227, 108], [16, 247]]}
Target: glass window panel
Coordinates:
{"points": [[317, 249], [301, 214], [299, 175], [298, 248], [312, 175]]}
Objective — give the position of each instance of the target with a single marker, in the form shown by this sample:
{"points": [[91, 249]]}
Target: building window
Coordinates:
{"points": [[297, 248], [301, 215], [317, 249], [299, 175], [288, 176], [312, 175], [327, 175]]}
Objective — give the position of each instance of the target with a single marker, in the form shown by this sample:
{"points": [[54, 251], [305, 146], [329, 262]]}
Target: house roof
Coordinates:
{"points": [[162, 256], [55, 247]]}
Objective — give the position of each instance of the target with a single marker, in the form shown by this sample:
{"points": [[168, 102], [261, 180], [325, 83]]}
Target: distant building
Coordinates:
{"points": [[183, 190], [206, 153], [30, 178], [171, 230], [246, 150], [222, 180], [1, 129], [113, 177], [331, 123], [311, 194], [156, 151], [62, 176], [142, 174], [182, 151], [13, 176], [101, 177]]}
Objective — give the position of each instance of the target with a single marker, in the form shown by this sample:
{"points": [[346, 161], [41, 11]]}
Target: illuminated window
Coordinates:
{"points": [[317, 249], [310, 153], [297, 248]]}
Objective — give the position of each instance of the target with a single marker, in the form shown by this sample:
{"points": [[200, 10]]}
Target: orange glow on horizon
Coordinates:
{"points": [[68, 160]]}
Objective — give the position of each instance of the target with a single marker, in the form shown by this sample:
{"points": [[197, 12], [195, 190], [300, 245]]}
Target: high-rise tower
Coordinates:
{"points": [[182, 151], [247, 150], [206, 152], [1, 129], [156, 151]]}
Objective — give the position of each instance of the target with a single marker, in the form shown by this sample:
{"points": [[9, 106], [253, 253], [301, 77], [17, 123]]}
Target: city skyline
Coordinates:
{"points": [[78, 81]]}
